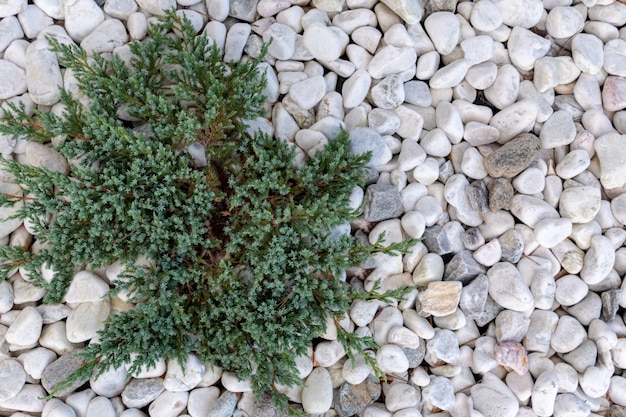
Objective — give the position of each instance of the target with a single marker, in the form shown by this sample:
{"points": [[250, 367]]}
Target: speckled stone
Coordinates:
{"points": [[59, 370], [500, 194], [514, 156], [440, 298], [353, 399]]}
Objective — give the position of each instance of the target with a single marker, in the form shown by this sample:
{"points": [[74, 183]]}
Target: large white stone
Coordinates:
{"points": [[84, 321], [317, 395], [444, 30], [82, 17]]}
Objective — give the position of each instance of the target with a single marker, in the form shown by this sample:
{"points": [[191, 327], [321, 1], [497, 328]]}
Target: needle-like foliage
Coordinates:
{"points": [[238, 262]]}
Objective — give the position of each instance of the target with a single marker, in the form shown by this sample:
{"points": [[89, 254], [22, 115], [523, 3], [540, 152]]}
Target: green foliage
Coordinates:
{"points": [[240, 265]]}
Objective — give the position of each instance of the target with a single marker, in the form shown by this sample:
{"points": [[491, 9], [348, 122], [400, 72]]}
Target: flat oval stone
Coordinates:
{"points": [[317, 395], [513, 157], [492, 398], [507, 288]]}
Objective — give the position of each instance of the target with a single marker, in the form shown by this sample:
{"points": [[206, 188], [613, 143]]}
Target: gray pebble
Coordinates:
{"points": [[463, 267], [382, 202]]}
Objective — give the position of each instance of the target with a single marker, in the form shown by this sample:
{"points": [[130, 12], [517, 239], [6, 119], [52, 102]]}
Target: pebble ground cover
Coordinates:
{"points": [[497, 131]]}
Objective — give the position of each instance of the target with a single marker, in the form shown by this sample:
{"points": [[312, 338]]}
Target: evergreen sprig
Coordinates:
{"points": [[240, 265]]}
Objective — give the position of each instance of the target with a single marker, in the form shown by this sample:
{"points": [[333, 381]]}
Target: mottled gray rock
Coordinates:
{"points": [[436, 240], [478, 196], [463, 267], [415, 356], [500, 194], [512, 246], [492, 309], [472, 238], [366, 139], [142, 391], [225, 405], [382, 202], [59, 370], [514, 156], [588, 309], [474, 297], [353, 399], [610, 304]]}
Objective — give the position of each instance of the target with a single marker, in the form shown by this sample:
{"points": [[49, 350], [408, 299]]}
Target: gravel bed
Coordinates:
{"points": [[498, 132]]}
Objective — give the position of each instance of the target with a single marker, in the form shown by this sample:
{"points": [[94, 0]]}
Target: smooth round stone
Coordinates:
{"points": [[411, 155], [413, 224], [82, 17], [477, 133], [617, 390], [363, 139], [572, 164], [391, 359], [427, 173], [387, 319], [385, 122], [443, 346], [450, 75], [611, 154], [595, 381], [400, 395], [183, 378], [24, 332], [391, 60], [168, 404], [86, 287], [485, 16], [439, 394], [615, 57], [283, 41], [43, 73], [317, 395], [580, 204], [544, 393], [201, 400], [449, 120], [531, 210], [558, 130], [570, 290], [553, 71], [36, 360], [107, 36], [568, 335], [601, 333], [12, 80], [57, 408], [12, 378], [481, 76], [550, 232], [137, 26], [367, 37], [493, 398], [308, 93], [355, 88], [388, 93], [588, 52], [488, 254], [325, 43], [598, 260], [507, 288], [84, 322], [473, 164], [530, 181], [587, 92], [511, 326], [436, 143], [141, 392], [618, 208], [505, 89], [6, 296], [444, 30], [232, 383], [121, 9], [523, 13], [514, 120], [564, 22], [111, 383], [357, 372], [614, 94]]}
